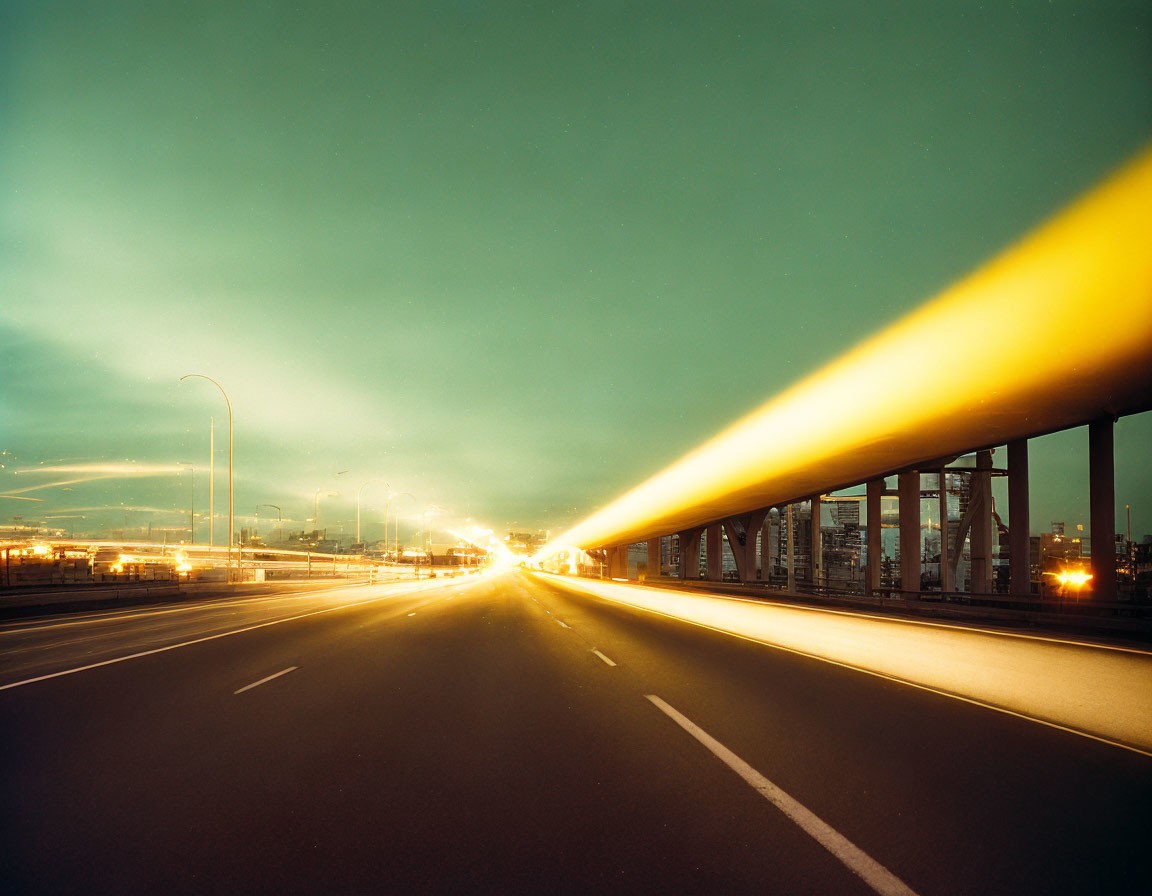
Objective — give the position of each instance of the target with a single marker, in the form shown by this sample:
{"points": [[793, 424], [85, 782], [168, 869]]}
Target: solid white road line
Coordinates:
{"points": [[257, 684], [599, 654], [859, 862], [984, 704], [134, 613], [237, 631]]}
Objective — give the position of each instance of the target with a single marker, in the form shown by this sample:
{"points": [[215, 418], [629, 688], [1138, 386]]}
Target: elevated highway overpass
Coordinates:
{"points": [[975, 368]]}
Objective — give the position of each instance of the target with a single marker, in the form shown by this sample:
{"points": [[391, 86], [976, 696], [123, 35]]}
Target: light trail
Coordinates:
{"points": [[107, 469], [394, 590], [1086, 689], [186, 560], [44, 485], [895, 401], [98, 471]]}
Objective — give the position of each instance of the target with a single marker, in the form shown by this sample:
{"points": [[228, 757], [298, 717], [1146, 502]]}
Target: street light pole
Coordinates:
{"points": [[211, 484], [191, 503], [358, 494], [228, 402], [276, 506], [387, 507], [397, 524]]}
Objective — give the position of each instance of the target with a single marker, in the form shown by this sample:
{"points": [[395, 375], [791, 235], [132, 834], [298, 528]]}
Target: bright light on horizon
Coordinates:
{"points": [[1075, 578]]}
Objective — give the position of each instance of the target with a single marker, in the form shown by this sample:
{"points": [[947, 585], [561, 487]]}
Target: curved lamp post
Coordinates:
{"points": [[434, 510], [397, 517], [358, 494], [230, 503], [276, 507]]}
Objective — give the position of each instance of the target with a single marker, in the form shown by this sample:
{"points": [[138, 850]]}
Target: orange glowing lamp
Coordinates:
{"points": [[1073, 578]]}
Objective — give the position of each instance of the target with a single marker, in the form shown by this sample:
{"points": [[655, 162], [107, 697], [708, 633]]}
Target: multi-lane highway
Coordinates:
{"points": [[511, 734]]}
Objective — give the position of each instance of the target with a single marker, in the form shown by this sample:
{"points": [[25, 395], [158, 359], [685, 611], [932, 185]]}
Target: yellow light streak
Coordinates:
{"points": [[978, 366], [1098, 691], [42, 486], [107, 469], [99, 471]]}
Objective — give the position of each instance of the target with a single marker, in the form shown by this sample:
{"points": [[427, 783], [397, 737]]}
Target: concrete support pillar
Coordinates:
{"points": [[713, 548], [947, 578], [753, 525], [766, 547], [980, 498], [653, 557], [816, 557], [690, 553], [1019, 525], [1102, 508], [873, 549], [789, 534], [617, 562], [741, 532], [909, 488]]}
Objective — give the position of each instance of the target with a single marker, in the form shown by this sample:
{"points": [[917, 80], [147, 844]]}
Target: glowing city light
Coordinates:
{"points": [[182, 566], [1074, 578], [500, 557]]}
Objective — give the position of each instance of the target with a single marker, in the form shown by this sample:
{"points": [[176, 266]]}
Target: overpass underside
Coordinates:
{"points": [[949, 538], [1054, 333]]}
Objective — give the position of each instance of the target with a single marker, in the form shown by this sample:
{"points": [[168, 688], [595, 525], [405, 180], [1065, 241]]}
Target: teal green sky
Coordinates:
{"points": [[512, 258]]}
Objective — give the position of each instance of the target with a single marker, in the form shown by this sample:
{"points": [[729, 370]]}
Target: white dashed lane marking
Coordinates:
{"points": [[257, 684]]}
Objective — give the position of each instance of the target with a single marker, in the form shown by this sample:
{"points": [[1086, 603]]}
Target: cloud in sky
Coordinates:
{"points": [[512, 258]]}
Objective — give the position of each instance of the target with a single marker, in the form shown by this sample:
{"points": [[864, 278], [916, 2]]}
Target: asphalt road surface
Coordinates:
{"points": [[501, 734]]}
